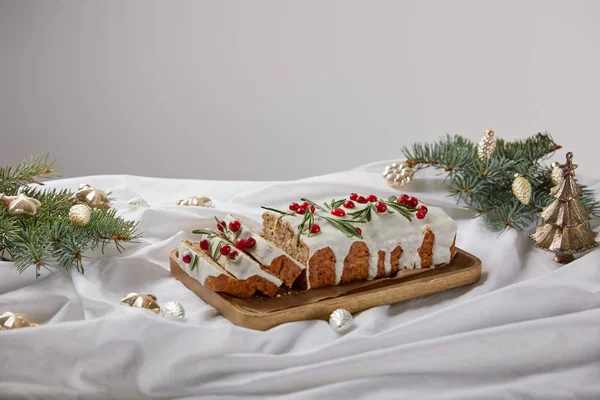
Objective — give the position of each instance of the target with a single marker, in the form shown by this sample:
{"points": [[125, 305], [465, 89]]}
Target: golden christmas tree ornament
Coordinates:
{"points": [[93, 198], [79, 215], [521, 189], [10, 320], [199, 201], [21, 205], [565, 231], [398, 175], [487, 145], [147, 301]]}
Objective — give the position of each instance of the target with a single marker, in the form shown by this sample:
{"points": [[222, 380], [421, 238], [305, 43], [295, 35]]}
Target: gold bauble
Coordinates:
{"points": [[487, 145], [199, 201], [147, 301], [521, 188], [398, 175], [79, 215], [21, 205], [94, 198], [10, 320]]}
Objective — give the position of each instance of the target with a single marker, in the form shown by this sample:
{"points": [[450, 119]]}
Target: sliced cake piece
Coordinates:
{"points": [[240, 265], [201, 267], [270, 256]]}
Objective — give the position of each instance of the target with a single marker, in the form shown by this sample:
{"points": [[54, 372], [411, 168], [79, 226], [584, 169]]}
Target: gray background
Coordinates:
{"points": [[287, 89]]}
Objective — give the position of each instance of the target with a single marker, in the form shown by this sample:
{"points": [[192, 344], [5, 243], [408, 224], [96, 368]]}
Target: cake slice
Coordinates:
{"points": [[201, 267], [266, 253], [239, 264]]}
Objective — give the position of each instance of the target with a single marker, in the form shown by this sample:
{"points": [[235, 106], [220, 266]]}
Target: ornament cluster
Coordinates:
{"points": [[172, 310], [398, 175]]}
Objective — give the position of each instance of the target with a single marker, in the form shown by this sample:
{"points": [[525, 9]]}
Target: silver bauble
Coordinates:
{"points": [[173, 311], [340, 320]]}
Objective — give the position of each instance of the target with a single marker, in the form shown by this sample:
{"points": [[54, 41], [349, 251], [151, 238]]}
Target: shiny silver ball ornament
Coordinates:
{"points": [[138, 202], [173, 311], [79, 215], [398, 175], [340, 320]]}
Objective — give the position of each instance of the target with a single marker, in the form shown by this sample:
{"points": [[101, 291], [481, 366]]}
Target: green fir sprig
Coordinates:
{"points": [[484, 186], [49, 239]]}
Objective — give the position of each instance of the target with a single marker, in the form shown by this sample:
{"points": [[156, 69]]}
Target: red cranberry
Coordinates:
{"points": [[381, 207], [221, 225], [361, 200], [358, 230], [293, 207], [424, 208], [225, 250], [312, 209], [235, 225], [250, 243], [372, 198], [349, 204], [338, 212], [315, 229], [420, 214], [403, 199], [187, 258], [301, 210], [233, 255], [304, 205], [353, 196], [240, 244], [204, 244], [413, 202]]}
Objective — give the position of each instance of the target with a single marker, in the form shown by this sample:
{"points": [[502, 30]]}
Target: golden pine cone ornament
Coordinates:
{"points": [[147, 301], [487, 145], [21, 205], [557, 173], [93, 198], [521, 188], [79, 215], [398, 175]]}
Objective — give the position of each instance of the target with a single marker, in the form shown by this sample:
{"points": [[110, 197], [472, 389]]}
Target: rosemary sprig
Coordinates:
{"points": [[279, 211], [345, 226], [364, 214], [195, 263], [209, 233], [217, 252], [312, 203], [309, 219], [402, 209]]}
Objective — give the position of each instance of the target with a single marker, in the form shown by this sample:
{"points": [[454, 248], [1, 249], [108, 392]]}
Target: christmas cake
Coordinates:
{"points": [[266, 253], [312, 245], [360, 238], [199, 265]]}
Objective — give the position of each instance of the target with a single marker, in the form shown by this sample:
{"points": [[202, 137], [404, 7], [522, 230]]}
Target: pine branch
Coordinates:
{"points": [[50, 239], [484, 186], [31, 171]]}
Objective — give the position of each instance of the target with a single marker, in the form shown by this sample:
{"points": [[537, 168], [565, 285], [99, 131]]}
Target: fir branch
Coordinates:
{"points": [[31, 171]]}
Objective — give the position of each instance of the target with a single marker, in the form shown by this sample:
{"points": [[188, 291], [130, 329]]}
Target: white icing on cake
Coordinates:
{"points": [[243, 267], [203, 268], [384, 233], [264, 251]]}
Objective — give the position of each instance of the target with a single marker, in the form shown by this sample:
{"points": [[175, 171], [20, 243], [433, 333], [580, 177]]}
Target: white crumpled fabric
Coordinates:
{"points": [[528, 329]]}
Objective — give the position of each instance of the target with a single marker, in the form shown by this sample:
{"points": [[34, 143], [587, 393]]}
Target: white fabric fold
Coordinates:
{"points": [[527, 329]]}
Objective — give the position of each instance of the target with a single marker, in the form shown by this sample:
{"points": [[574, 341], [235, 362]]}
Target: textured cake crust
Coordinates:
{"points": [[263, 285], [228, 284], [321, 266], [285, 269]]}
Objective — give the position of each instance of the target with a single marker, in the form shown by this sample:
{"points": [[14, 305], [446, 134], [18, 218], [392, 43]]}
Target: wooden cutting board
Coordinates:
{"points": [[464, 269]]}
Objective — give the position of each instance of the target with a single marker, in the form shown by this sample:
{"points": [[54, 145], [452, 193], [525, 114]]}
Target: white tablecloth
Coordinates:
{"points": [[528, 329]]}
